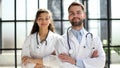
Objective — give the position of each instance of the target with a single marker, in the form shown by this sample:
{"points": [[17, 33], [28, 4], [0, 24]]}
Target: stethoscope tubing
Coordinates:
{"points": [[42, 40], [68, 38]]}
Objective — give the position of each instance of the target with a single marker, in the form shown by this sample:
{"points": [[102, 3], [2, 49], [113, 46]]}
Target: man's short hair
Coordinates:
{"points": [[76, 4]]}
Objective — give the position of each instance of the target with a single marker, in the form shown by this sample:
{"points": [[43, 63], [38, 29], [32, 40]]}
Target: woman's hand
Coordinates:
{"points": [[25, 60]]}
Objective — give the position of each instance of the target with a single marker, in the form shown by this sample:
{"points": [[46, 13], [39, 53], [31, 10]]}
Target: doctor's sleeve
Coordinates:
{"points": [[25, 48], [52, 60], [97, 62], [61, 46]]}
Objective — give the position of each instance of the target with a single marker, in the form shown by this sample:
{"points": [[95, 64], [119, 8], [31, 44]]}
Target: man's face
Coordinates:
{"points": [[76, 15]]}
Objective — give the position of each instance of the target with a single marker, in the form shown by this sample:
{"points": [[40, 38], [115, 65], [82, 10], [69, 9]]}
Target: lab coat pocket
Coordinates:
{"points": [[84, 51]]}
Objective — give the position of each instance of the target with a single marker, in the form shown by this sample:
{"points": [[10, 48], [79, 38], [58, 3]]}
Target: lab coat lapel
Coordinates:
{"points": [[73, 38], [49, 38], [73, 43], [80, 50]]}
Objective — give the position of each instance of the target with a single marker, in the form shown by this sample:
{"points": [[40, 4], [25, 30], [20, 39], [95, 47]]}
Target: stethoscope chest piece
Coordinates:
{"points": [[43, 43], [86, 36], [38, 46], [70, 51]]}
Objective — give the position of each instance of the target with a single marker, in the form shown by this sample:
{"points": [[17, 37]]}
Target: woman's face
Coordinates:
{"points": [[43, 20]]}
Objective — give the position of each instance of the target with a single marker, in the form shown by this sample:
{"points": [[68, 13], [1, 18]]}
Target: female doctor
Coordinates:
{"points": [[40, 43], [84, 49]]}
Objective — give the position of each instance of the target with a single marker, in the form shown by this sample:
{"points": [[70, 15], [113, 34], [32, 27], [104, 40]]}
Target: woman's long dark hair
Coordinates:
{"points": [[35, 27]]}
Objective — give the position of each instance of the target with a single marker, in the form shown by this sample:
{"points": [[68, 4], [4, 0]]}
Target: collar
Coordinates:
{"points": [[38, 37], [77, 31]]}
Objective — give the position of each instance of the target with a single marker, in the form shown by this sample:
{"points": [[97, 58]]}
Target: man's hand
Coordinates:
{"points": [[66, 58], [95, 54]]}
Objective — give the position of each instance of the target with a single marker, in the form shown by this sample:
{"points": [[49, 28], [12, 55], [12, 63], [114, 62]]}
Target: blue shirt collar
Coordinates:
{"points": [[76, 31]]}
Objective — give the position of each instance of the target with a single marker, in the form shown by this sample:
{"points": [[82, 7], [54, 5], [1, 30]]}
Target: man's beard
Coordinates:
{"points": [[79, 23]]}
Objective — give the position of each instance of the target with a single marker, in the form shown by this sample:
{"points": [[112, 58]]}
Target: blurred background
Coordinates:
{"points": [[16, 20]]}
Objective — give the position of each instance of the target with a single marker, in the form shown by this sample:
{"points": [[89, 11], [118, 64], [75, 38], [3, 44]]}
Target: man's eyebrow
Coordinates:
{"points": [[76, 11]]}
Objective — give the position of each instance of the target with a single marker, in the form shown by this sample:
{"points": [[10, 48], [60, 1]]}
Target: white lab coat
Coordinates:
{"points": [[79, 52], [30, 49]]}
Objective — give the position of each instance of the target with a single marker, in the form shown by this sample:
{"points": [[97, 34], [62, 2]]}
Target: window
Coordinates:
{"points": [[103, 20], [16, 20]]}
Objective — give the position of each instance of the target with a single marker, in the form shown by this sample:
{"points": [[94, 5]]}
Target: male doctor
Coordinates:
{"points": [[84, 49]]}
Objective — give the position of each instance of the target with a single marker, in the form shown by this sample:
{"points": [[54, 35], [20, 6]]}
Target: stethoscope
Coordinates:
{"points": [[42, 42], [70, 49]]}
